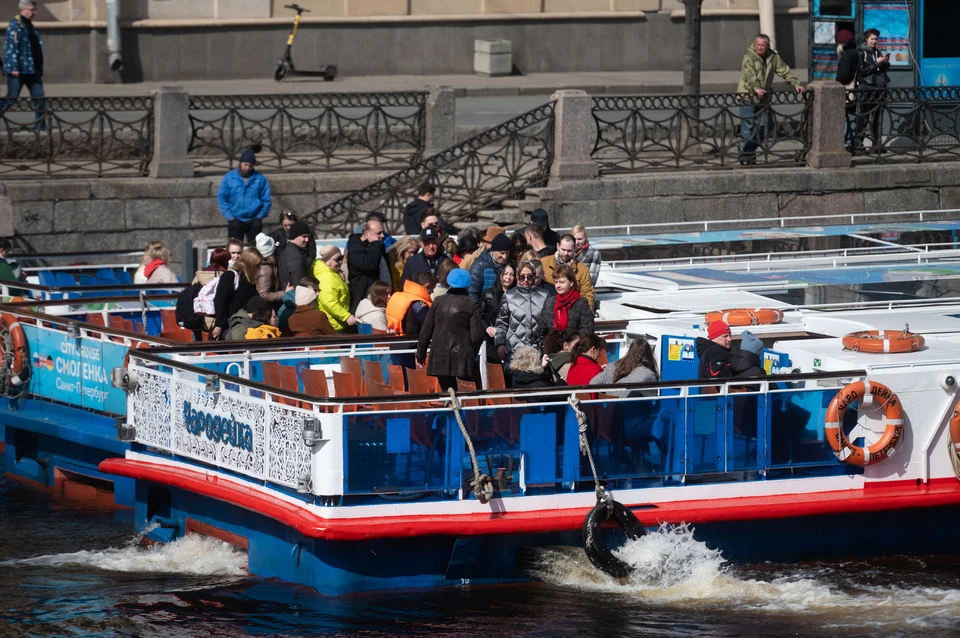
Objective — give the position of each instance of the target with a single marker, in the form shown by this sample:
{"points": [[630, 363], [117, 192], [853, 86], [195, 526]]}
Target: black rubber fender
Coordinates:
{"points": [[597, 551]]}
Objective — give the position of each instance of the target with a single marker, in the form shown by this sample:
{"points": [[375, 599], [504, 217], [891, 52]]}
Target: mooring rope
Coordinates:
{"points": [[603, 499], [482, 484]]}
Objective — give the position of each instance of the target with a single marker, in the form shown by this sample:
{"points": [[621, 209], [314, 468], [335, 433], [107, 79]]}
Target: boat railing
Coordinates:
{"points": [[372, 446], [100, 292]]}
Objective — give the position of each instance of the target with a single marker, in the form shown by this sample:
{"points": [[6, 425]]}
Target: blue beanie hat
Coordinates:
{"points": [[750, 343], [248, 156], [458, 278]]}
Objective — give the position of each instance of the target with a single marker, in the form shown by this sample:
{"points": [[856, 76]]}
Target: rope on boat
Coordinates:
{"points": [[603, 499], [482, 484]]}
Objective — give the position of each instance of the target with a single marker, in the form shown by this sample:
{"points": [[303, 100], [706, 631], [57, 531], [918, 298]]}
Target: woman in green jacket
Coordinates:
{"points": [[334, 297]]}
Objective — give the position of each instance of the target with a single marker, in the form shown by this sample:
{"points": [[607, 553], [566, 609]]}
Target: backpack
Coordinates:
{"points": [[186, 316], [203, 304]]}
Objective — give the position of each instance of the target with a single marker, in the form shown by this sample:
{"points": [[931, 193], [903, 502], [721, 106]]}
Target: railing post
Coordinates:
{"points": [[828, 113], [171, 133], [440, 120], [573, 122]]}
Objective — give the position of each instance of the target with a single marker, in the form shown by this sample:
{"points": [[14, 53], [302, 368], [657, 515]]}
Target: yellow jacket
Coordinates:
{"points": [[582, 273], [334, 297], [263, 331]]}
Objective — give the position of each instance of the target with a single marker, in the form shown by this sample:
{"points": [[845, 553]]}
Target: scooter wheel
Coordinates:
{"points": [[329, 77], [281, 72]]}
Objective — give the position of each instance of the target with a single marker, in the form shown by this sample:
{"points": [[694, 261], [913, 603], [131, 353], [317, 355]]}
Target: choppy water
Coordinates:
{"points": [[70, 572]]}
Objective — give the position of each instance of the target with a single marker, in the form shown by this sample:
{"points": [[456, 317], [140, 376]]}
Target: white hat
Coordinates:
{"points": [[304, 296], [266, 244]]}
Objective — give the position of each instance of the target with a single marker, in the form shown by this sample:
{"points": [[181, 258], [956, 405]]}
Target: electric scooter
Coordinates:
{"points": [[285, 66]]}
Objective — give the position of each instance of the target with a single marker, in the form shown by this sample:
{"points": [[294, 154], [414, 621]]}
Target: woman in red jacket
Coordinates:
{"points": [[584, 357]]}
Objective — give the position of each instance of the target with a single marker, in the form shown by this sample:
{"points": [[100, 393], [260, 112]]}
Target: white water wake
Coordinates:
{"points": [[192, 554], [672, 569]]}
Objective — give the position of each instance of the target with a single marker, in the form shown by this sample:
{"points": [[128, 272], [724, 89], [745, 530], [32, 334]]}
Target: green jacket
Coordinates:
{"points": [[757, 72], [6, 272]]}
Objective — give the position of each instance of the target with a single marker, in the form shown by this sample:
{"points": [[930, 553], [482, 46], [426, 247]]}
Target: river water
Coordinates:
{"points": [[75, 572]]}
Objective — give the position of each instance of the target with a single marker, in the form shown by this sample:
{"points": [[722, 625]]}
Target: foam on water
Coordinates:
{"points": [[192, 554], [673, 569]]}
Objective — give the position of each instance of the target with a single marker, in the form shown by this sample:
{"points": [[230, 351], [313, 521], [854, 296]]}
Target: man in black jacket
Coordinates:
{"points": [[847, 68], [364, 253], [413, 211], [429, 257], [294, 259], [714, 352]]}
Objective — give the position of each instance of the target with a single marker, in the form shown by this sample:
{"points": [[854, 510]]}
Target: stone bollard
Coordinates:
{"points": [[440, 120], [573, 123], [828, 115], [171, 133]]}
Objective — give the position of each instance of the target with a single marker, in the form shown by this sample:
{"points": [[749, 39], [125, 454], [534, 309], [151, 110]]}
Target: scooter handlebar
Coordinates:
{"points": [[296, 8]]}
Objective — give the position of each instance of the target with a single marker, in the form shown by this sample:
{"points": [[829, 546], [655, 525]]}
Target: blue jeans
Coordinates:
{"points": [[34, 84], [753, 128]]}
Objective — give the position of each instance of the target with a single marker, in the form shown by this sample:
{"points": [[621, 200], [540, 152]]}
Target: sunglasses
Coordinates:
{"points": [[289, 216], [527, 278]]}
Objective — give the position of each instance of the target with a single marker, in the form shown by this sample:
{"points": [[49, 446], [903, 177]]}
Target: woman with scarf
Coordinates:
{"points": [[153, 267], [569, 311]]}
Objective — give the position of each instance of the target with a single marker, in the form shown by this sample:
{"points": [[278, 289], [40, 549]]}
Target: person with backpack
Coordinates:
{"points": [[194, 309]]}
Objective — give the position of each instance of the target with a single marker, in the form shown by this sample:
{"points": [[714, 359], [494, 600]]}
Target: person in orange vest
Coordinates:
{"points": [[407, 309]]}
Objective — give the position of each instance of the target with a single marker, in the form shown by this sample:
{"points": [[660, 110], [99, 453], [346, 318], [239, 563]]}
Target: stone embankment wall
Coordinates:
{"points": [[125, 214], [753, 194]]}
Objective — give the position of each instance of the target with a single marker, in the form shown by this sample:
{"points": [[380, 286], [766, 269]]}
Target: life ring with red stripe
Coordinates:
{"points": [[18, 343], [883, 341], [745, 316], [892, 413]]}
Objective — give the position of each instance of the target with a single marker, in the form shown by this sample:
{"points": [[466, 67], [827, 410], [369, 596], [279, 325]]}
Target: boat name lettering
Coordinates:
{"points": [[218, 428], [86, 352]]}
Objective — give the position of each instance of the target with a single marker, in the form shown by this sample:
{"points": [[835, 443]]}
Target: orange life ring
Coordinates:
{"points": [[133, 344], [745, 316], [20, 360], [892, 412], [883, 341], [955, 429]]}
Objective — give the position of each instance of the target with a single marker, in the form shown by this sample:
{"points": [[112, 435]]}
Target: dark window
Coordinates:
{"points": [[940, 29], [836, 8]]}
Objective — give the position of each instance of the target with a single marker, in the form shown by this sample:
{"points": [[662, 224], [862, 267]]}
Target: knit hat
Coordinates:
{"points": [[844, 36], [458, 278], [304, 295], [501, 243], [492, 232], [539, 217], [716, 329], [256, 303], [328, 251], [248, 156], [298, 230], [467, 244], [750, 343], [265, 244]]}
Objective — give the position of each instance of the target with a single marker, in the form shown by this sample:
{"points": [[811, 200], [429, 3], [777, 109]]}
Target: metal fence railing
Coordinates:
{"points": [[309, 132], [76, 137], [647, 133], [478, 173], [903, 125]]}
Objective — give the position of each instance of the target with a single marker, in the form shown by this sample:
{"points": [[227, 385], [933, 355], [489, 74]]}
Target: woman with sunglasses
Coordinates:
{"points": [[334, 297], [490, 301], [520, 319]]}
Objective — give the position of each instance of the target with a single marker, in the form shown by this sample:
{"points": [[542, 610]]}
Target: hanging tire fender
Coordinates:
{"points": [[596, 549]]}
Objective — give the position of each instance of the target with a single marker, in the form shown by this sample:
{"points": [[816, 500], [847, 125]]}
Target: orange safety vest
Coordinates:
{"points": [[400, 302]]}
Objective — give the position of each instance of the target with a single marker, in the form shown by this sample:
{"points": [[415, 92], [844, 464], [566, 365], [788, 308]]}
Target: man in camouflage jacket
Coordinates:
{"points": [[23, 58], [760, 65]]}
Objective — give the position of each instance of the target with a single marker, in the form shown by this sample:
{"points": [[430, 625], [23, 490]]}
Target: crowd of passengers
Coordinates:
{"points": [[528, 295]]}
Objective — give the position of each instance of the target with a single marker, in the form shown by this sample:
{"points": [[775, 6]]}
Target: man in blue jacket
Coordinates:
{"points": [[244, 199], [23, 58]]}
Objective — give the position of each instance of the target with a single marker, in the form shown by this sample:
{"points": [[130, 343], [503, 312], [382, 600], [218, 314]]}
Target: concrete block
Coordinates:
{"points": [[158, 213], [441, 119], [701, 183], [33, 218], [635, 5], [567, 6], [572, 126], [796, 205], [171, 135], [303, 204], [48, 190], [492, 57], [901, 199], [205, 212], [511, 6], [148, 188], [349, 181], [95, 215], [944, 174], [826, 144], [950, 198], [289, 184], [757, 206], [376, 7], [6, 217], [432, 7], [227, 9]]}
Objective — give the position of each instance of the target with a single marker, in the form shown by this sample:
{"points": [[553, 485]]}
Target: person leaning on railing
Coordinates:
{"points": [[761, 64]]}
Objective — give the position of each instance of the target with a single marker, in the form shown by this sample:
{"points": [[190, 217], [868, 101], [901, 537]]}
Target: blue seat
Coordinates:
{"points": [[123, 276], [87, 280], [106, 273], [65, 279], [47, 278]]}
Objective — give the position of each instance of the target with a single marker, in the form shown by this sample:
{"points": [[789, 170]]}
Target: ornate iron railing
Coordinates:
{"points": [[479, 173], [903, 125], [309, 132], [76, 137], [646, 133]]}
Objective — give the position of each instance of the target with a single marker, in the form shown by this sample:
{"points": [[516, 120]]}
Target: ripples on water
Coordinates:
{"points": [[74, 572]]}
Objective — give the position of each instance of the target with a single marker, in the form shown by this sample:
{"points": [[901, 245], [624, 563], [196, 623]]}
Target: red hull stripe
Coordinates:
{"points": [[890, 496]]}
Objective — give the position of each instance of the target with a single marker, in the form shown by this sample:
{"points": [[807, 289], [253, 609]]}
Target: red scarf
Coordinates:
{"points": [[153, 265], [561, 308]]}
